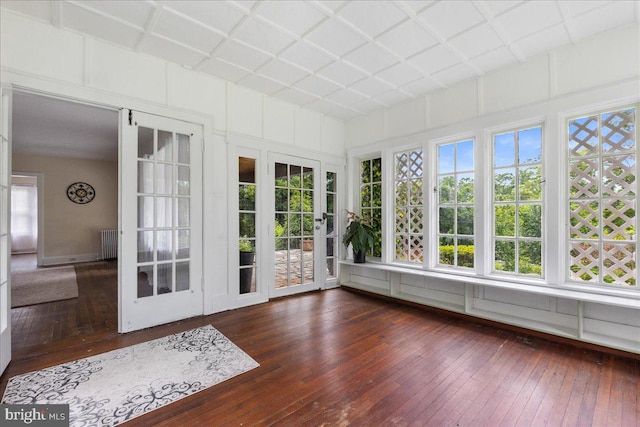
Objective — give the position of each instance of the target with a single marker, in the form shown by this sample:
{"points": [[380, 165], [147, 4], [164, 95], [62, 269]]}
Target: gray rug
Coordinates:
{"points": [[111, 388], [43, 285]]}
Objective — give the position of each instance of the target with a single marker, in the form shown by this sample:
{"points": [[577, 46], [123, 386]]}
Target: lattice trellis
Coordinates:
{"points": [[584, 178], [619, 264], [618, 219], [584, 218], [583, 136], [408, 201], [584, 260], [416, 247], [402, 220], [602, 201], [416, 220], [619, 176], [618, 131]]}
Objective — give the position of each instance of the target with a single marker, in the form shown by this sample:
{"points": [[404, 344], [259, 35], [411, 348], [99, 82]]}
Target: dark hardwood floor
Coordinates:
{"points": [[338, 358]]}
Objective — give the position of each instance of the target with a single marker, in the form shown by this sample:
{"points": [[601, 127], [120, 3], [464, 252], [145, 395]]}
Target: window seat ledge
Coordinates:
{"points": [[628, 299]]}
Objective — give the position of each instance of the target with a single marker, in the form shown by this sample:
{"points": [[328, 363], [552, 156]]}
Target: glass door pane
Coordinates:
{"points": [[247, 215], [294, 225], [332, 205], [163, 212]]}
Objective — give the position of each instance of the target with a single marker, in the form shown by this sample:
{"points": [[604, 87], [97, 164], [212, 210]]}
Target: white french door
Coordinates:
{"points": [[297, 226], [5, 213], [160, 264]]}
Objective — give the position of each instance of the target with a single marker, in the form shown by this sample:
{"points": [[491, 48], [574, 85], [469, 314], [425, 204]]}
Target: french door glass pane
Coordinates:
{"points": [[163, 217], [294, 225]]}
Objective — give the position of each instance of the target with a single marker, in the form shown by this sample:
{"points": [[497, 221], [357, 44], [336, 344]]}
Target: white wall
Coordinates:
{"points": [[39, 57], [600, 72]]}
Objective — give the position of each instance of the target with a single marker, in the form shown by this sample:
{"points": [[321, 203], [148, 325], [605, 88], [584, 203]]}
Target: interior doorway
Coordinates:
{"points": [[61, 143]]}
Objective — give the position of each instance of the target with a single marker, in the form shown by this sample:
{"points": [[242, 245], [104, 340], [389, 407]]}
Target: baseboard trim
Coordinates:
{"points": [[493, 323], [69, 259]]}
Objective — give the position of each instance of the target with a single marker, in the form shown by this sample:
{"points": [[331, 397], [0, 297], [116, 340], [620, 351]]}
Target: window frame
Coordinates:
{"points": [[565, 273], [490, 213], [360, 185], [435, 201], [422, 207]]}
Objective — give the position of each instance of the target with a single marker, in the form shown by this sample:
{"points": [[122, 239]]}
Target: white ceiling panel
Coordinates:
{"points": [[295, 96], [342, 73], [297, 17], [371, 57], [392, 97], [335, 37], [434, 59], [367, 106], [256, 32], [528, 18], [224, 70], [457, 73], [407, 39], [217, 14], [330, 55], [400, 74], [578, 7], [136, 13], [242, 55], [187, 32], [371, 86], [282, 71], [421, 87], [261, 84], [172, 52], [497, 58], [372, 16], [476, 41], [451, 17], [416, 6], [38, 10], [496, 7], [541, 41], [346, 97], [307, 56], [617, 14], [88, 22], [317, 85]]}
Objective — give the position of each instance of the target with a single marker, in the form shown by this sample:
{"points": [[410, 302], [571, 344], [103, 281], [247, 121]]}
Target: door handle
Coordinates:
{"points": [[323, 219]]}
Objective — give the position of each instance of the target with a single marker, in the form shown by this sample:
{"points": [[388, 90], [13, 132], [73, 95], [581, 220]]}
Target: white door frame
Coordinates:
{"points": [[136, 312], [5, 226], [319, 229]]}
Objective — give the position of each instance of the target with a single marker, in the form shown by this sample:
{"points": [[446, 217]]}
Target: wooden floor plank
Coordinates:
{"points": [[337, 358]]}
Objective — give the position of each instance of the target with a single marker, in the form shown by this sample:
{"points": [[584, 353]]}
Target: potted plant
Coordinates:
{"points": [[360, 235], [247, 256]]}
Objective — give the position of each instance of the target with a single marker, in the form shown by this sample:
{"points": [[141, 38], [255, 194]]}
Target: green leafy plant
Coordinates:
{"points": [[359, 234], [245, 246]]}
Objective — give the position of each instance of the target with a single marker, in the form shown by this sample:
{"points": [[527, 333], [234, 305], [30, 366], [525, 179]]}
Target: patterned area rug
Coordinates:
{"points": [[111, 388]]}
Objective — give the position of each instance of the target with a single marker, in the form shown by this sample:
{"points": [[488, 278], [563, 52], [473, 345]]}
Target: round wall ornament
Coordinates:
{"points": [[80, 192]]}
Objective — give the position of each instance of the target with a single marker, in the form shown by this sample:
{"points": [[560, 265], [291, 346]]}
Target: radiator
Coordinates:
{"points": [[109, 244]]}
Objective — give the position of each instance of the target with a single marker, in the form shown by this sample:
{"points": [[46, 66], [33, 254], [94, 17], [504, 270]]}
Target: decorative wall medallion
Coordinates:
{"points": [[81, 193]]}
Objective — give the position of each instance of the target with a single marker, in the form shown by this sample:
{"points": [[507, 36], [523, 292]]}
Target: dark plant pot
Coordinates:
{"points": [[246, 274], [359, 257]]}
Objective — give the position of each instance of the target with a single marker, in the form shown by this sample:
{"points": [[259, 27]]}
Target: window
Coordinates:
{"points": [[247, 223], [408, 206], [602, 198], [455, 204], [517, 202], [371, 199], [332, 205]]}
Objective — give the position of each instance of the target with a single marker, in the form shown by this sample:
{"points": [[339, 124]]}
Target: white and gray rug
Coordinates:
{"points": [[111, 388]]}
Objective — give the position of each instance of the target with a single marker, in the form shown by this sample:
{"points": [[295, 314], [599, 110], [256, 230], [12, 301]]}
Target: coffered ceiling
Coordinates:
{"points": [[341, 58]]}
